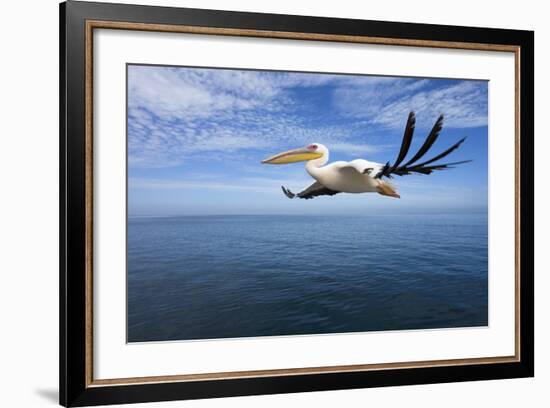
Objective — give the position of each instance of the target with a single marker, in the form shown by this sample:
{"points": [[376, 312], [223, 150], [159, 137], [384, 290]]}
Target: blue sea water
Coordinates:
{"points": [[209, 277]]}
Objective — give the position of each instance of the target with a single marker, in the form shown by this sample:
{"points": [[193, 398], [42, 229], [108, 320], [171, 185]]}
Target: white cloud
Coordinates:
{"points": [[173, 93], [388, 103], [176, 113]]}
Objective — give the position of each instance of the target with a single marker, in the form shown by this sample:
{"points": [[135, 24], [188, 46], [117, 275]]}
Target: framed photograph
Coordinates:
{"points": [[256, 203]]}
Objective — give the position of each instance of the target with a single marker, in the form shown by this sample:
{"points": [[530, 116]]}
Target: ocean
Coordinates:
{"points": [[206, 277]]}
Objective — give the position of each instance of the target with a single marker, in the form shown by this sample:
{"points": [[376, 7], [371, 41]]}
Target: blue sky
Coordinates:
{"points": [[196, 137]]}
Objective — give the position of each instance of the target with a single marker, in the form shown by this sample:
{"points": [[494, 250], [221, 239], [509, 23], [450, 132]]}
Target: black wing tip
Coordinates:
{"points": [[287, 192], [408, 168], [428, 142], [411, 120], [406, 142], [459, 143], [459, 162], [445, 166], [438, 125]]}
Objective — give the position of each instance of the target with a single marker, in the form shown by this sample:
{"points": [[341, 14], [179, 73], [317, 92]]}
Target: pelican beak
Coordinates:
{"points": [[293, 156]]}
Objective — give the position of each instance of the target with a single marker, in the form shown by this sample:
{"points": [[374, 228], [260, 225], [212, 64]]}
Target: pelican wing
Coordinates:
{"points": [[362, 166], [406, 143], [314, 190], [411, 166]]}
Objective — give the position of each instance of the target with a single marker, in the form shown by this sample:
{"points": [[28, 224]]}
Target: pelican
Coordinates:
{"points": [[363, 176]]}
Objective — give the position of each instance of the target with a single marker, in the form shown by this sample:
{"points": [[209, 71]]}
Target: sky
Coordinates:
{"points": [[196, 137]]}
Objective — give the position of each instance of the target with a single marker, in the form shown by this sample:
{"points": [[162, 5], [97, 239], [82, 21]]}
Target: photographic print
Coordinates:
{"points": [[272, 203], [251, 202]]}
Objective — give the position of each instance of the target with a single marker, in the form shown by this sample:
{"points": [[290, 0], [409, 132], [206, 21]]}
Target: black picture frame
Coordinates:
{"points": [[75, 386]]}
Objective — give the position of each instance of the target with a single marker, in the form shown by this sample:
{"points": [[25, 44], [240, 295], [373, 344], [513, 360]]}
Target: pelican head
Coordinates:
{"points": [[310, 152]]}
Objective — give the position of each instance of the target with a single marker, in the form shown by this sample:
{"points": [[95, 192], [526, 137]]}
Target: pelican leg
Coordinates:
{"points": [[387, 189]]}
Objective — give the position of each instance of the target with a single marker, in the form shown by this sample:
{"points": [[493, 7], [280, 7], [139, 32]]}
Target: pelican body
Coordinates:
{"points": [[362, 176]]}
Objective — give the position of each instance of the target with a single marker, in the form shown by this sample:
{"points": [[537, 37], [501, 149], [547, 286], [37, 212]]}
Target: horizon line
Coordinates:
{"points": [[480, 211]]}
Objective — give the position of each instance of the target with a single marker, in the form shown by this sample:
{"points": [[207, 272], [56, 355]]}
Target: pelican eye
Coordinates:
{"points": [[312, 147]]}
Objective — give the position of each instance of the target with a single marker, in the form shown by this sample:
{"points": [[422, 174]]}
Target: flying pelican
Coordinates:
{"points": [[362, 176]]}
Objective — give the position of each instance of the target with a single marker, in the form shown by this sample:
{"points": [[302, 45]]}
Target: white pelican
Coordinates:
{"points": [[362, 176]]}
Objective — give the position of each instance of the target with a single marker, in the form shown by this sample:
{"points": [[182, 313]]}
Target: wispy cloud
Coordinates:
{"points": [[177, 93], [387, 102], [176, 114]]}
